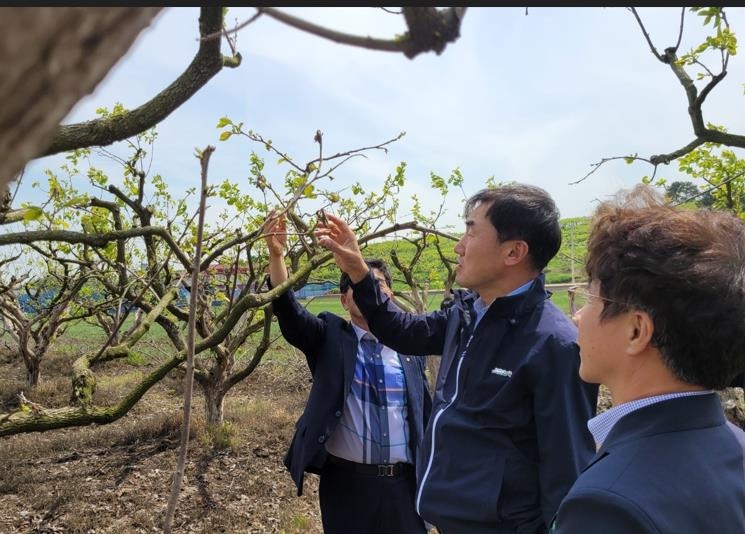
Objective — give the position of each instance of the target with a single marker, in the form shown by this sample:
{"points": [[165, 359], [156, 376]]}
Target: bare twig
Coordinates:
{"points": [[430, 29], [710, 189], [647, 37], [190, 346], [596, 166]]}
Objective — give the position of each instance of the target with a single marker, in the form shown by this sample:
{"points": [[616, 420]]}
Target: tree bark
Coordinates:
{"points": [[33, 372], [207, 62], [52, 57], [214, 402]]}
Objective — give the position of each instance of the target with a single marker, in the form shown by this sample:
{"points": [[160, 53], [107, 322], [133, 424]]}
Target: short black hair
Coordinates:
{"points": [[375, 263], [524, 212]]}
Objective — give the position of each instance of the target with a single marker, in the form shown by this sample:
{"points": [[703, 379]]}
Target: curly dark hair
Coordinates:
{"points": [[686, 269]]}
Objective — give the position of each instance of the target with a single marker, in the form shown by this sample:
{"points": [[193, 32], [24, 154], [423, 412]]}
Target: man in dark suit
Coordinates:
{"points": [[662, 326], [365, 414]]}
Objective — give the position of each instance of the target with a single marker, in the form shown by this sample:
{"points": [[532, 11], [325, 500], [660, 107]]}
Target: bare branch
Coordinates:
{"points": [[680, 30], [430, 29], [234, 30], [385, 45], [379, 146], [190, 341], [646, 36], [94, 240], [596, 166], [711, 189]]}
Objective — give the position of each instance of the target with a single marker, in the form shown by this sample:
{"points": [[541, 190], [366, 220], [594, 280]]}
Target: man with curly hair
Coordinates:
{"points": [[662, 326]]}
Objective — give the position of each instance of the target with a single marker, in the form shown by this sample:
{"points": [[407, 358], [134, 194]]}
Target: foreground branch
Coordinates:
{"points": [[190, 342], [430, 29], [52, 57], [207, 62]]}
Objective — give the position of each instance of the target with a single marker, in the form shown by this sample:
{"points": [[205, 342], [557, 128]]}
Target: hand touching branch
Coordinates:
{"points": [[275, 234], [336, 236]]}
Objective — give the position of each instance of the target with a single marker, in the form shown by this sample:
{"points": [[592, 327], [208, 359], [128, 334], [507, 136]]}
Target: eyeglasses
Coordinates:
{"points": [[579, 297]]}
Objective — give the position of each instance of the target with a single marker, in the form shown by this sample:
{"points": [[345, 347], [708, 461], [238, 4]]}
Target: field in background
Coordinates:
{"points": [[331, 303], [85, 332]]}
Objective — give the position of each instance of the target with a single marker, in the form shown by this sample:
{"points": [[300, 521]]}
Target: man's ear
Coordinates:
{"points": [[640, 332], [517, 252], [344, 301]]}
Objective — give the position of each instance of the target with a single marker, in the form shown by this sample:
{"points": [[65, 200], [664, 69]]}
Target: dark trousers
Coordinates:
{"points": [[360, 503], [738, 381]]}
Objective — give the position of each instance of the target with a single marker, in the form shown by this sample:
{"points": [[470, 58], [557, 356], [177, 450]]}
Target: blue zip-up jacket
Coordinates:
{"points": [[508, 433]]}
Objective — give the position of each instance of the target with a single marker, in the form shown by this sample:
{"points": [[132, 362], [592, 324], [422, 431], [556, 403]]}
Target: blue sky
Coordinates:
{"points": [[534, 98]]}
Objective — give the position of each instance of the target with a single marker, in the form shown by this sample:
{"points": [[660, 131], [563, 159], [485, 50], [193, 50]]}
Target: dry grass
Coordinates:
{"points": [[116, 478]]}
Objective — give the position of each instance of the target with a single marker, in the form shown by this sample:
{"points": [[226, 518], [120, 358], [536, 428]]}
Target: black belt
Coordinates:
{"points": [[381, 470]]}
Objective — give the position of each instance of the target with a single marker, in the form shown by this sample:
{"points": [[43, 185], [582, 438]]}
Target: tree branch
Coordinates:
{"points": [[94, 240], [207, 62], [430, 29], [695, 103]]}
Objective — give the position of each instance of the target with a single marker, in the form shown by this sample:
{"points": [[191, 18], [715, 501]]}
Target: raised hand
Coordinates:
{"points": [[335, 235], [275, 233]]}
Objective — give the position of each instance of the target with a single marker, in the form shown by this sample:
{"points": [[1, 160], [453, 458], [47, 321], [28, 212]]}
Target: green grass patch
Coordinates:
{"points": [[560, 297], [83, 331], [136, 358]]}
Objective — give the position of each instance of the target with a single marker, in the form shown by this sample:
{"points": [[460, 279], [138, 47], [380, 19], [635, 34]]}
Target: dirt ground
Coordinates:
{"points": [[116, 478]]}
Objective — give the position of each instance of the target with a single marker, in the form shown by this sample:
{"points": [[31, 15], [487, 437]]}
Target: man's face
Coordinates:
{"points": [[347, 299], [480, 253], [601, 343]]}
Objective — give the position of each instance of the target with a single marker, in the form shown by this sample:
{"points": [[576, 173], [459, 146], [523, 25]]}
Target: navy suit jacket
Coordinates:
{"points": [[330, 347], [677, 466]]}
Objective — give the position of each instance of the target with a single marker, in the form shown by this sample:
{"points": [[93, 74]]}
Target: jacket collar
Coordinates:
{"points": [[682, 413], [673, 415], [505, 306]]}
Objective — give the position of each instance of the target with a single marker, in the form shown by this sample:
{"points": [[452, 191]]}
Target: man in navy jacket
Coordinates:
{"points": [[663, 324], [508, 435], [365, 416]]}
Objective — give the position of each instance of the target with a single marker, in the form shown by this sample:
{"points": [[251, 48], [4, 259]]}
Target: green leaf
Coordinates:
{"points": [[225, 136], [33, 213]]}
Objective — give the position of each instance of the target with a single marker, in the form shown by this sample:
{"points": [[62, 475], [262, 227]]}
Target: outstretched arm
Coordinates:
{"points": [[405, 332], [298, 326]]}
